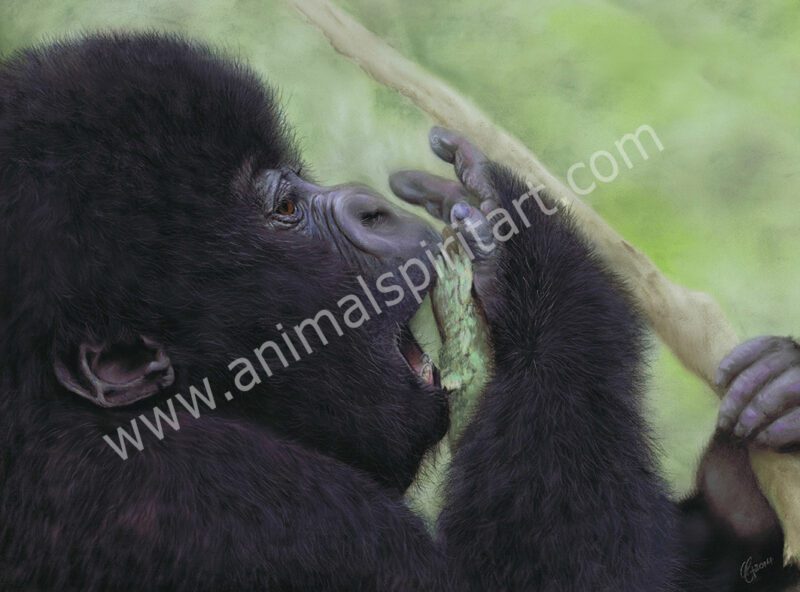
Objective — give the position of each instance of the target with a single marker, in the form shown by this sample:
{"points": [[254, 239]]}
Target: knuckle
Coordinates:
{"points": [[743, 387], [760, 410]]}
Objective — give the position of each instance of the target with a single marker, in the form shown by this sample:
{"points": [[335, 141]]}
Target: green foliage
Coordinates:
{"points": [[717, 80]]}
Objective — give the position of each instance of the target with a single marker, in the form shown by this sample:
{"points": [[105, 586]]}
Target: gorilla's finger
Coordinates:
{"points": [[777, 397], [471, 165], [745, 386], [782, 432], [475, 230], [436, 194], [743, 356], [489, 206], [476, 233]]}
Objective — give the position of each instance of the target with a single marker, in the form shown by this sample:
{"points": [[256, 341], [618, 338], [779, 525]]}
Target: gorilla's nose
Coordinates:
{"points": [[378, 227]]}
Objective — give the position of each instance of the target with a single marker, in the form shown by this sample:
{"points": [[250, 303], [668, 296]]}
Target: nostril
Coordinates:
{"points": [[374, 217]]}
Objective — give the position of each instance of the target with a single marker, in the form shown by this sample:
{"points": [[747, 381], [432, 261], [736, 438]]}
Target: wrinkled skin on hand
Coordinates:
{"points": [[760, 407], [761, 378]]}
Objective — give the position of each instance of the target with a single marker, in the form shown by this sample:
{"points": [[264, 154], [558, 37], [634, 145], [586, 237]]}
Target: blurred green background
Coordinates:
{"points": [[719, 81]]}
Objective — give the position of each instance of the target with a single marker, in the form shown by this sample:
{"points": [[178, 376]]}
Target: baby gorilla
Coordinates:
{"points": [[157, 228]]}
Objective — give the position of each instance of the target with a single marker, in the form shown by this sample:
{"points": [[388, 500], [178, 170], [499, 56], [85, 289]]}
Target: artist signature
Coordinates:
{"points": [[750, 569]]}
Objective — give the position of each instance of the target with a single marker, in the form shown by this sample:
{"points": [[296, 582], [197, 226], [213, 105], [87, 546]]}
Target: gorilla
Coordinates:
{"points": [[159, 236]]}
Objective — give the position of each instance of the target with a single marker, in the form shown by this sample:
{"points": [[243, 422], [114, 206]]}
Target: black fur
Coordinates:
{"points": [[126, 209], [581, 501]]}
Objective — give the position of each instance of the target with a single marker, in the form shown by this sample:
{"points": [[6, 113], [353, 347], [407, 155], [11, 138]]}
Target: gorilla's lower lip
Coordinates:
{"points": [[418, 361]]}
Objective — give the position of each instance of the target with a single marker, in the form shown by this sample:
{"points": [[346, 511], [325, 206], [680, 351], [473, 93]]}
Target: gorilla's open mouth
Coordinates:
{"points": [[418, 361]]}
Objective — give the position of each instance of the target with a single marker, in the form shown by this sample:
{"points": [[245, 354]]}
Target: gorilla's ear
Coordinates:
{"points": [[116, 374]]}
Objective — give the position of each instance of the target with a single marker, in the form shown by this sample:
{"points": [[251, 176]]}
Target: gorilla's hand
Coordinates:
{"points": [[762, 402], [464, 204], [761, 378]]}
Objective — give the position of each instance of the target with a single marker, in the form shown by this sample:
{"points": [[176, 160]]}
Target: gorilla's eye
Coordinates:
{"points": [[286, 207]]}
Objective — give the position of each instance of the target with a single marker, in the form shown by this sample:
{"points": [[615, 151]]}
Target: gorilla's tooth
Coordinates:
{"points": [[425, 330], [426, 370]]}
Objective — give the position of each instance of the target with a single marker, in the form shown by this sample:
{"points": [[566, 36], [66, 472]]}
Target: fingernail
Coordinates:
{"points": [[435, 137], [723, 424], [440, 143], [719, 377], [740, 431], [762, 439], [438, 132], [461, 211]]}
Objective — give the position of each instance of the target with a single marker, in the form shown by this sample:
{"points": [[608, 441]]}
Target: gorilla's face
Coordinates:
{"points": [[351, 238], [168, 232], [343, 240], [369, 233]]}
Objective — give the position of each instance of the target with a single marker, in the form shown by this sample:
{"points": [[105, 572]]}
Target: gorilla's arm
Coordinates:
{"points": [[553, 486]]}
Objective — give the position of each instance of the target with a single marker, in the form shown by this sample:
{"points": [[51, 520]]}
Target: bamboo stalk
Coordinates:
{"points": [[690, 323]]}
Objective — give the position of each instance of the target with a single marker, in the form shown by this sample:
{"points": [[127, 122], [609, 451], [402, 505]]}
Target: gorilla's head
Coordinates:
{"points": [[156, 225]]}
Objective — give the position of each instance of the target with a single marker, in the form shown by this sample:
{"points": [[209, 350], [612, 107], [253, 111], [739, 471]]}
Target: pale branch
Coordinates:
{"points": [[690, 323]]}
